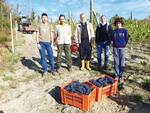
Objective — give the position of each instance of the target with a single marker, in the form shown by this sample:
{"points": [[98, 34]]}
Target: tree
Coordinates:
{"points": [[4, 21], [4, 15], [38, 18], [91, 11], [33, 16]]}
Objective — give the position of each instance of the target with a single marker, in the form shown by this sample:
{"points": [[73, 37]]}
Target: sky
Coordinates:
{"points": [[139, 8]]}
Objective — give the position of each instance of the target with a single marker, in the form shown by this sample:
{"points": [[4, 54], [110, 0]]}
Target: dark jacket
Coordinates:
{"points": [[103, 33], [120, 38]]}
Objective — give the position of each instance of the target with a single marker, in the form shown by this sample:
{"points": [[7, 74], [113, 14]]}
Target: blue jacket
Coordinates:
{"points": [[120, 38]]}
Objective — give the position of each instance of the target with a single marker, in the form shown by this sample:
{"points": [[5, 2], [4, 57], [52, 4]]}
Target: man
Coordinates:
{"points": [[83, 35], [44, 39], [63, 41], [103, 40]]}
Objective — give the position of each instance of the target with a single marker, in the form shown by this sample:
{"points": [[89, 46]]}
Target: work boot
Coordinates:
{"points": [[88, 65], [82, 65]]}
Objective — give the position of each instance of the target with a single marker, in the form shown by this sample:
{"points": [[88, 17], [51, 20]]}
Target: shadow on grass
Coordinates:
{"points": [[146, 86], [30, 64], [133, 102]]}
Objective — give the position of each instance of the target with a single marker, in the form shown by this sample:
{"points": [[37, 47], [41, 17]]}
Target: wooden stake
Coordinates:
{"points": [[91, 11], [12, 39], [16, 29]]}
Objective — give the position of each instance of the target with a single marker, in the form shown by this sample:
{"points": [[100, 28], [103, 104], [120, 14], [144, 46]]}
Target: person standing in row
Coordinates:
{"points": [[103, 40], [44, 39], [120, 40], [83, 35], [63, 41]]}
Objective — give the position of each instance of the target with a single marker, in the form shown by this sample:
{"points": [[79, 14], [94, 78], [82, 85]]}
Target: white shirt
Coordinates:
{"points": [[78, 32], [63, 33]]}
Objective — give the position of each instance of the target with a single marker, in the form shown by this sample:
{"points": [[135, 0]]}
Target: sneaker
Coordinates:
{"points": [[49, 69], [121, 92], [57, 69], [116, 78], [121, 80]]}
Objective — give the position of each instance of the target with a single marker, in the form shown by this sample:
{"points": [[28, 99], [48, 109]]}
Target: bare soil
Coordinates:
{"points": [[29, 92]]}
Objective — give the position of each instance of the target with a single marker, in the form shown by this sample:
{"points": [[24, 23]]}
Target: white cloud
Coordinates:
{"points": [[73, 2], [112, 7], [138, 4], [43, 9], [140, 8], [63, 1]]}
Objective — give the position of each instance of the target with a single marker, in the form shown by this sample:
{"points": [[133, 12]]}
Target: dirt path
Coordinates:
{"points": [[31, 93]]}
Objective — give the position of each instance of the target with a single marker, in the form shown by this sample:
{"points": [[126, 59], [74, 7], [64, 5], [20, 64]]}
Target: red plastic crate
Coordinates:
{"points": [[109, 90], [84, 102]]}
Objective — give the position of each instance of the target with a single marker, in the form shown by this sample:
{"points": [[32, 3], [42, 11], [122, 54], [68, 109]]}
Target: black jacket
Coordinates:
{"points": [[103, 33]]}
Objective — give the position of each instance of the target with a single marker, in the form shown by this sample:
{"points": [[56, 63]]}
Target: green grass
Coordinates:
{"points": [[146, 84], [7, 60], [2, 87], [3, 37], [141, 98], [30, 78], [8, 78], [20, 41], [146, 81]]}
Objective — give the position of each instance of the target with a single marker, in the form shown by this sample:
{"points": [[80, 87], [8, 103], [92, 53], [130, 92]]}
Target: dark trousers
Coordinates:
{"points": [[85, 49]]}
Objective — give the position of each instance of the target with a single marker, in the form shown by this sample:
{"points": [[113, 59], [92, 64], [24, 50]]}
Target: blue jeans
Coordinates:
{"points": [[46, 46], [119, 61], [100, 46]]}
